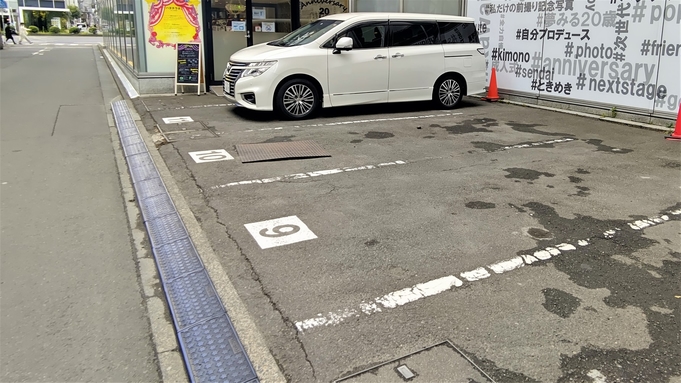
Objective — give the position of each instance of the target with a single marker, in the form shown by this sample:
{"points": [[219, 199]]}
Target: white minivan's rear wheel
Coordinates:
{"points": [[297, 99], [448, 93]]}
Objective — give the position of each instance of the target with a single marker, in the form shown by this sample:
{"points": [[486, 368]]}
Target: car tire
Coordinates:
{"points": [[448, 92], [297, 99]]}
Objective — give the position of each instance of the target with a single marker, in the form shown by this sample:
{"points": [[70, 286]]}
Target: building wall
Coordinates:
{"points": [[621, 56]]}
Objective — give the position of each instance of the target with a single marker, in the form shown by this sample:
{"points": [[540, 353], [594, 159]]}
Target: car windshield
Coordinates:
{"points": [[306, 34]]}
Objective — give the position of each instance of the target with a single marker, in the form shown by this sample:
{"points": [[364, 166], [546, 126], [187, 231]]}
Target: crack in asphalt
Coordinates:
{"points": [[254, 275]]}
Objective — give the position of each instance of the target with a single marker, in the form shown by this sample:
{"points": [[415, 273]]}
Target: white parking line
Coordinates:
{"points": [[308, 174], [437, 286], [522, 146], [359, 121]]}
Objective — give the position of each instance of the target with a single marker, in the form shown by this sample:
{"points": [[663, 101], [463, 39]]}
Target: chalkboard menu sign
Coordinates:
{"points": [[188, 65]]}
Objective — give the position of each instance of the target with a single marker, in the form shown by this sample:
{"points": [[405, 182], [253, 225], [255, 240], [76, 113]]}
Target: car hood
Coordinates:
{"points": [[262, 52]]}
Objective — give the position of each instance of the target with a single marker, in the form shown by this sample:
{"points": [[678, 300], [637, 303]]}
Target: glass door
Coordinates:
{"points": [[229, 32], [271, 20]]}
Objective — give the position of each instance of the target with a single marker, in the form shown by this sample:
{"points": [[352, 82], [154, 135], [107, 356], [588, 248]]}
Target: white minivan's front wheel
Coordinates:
{"points": [[297, 99], [447, 93]]}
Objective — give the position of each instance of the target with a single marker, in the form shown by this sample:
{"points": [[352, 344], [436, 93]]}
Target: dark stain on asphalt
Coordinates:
{"points": [[605, 148], [371, 242], [480, 205], [672, 165], [629, 285], [428, 136], [435, 126], [469, 126], [520, 209], [583, 171], [537, 233], [353, 133], [487, 146], [356, 141], [378, 135], [525, 174], [581, 192], [530, 128], [560, 303], [550, 186], [575, 180], [279, 139]]}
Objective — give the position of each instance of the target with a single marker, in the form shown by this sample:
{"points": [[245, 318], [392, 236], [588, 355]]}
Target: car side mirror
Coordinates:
{"points": [[343, 44]]}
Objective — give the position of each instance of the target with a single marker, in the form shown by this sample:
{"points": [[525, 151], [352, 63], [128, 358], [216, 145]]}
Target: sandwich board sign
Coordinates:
{"points": [[188, 66]]}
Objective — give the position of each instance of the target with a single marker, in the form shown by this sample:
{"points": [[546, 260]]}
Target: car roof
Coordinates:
{"points": [[359, 16]]}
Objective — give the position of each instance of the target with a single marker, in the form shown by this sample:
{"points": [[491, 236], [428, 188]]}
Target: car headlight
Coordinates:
{"points": [[256, 69]]}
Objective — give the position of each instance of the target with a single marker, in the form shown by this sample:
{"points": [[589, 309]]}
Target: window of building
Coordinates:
{"points": [[377, 5], [443, 7]]}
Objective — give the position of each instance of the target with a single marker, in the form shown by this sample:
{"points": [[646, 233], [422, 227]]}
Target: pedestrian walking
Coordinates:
{"points": [[8, 35], [23, 34]]}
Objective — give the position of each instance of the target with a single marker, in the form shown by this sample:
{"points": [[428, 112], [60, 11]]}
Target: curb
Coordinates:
{"points": [[266, 367]]}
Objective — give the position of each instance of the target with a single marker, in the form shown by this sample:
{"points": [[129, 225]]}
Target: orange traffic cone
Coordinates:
{"points": [[492, 94], [677, 131]]}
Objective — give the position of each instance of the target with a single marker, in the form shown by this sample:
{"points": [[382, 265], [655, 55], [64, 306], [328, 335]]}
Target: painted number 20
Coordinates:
{"points": [[280, 231], [324, 12]]}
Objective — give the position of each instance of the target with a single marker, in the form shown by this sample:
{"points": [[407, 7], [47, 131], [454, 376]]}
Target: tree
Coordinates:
{"points": [[75, 12]]}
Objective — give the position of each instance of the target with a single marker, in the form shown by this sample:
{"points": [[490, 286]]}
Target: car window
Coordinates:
{"points": [[364, 36], [306, 34], [458, 33], [413, 33]]}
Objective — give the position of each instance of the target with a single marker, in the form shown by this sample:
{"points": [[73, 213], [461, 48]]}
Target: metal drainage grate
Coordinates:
{"points": [[211, 348], [280, 150]]}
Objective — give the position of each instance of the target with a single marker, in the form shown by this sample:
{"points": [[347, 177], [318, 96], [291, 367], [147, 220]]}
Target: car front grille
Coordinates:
{"points": [[232, 73]]}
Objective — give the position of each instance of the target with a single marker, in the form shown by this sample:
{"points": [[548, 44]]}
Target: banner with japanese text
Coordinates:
{"points": [[624, 53]]}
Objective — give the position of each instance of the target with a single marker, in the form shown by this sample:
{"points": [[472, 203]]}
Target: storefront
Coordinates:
{"points": [[222, 26]]}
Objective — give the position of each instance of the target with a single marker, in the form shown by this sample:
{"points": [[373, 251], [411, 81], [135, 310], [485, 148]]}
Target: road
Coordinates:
{"points": [[71, 305], [543, 246], [62, 39]]}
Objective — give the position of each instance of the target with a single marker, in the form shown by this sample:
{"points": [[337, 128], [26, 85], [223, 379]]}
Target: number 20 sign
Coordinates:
{"points": [[279, 232]]}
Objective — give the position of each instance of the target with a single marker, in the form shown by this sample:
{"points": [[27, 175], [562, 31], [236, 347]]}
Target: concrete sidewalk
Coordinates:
{"points": [[72, 304]]}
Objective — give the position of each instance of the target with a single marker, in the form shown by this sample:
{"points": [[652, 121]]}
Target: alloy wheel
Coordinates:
{"points": [[298, 100], [449, 92]]}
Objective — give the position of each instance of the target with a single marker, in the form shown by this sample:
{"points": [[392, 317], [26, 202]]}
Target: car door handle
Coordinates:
{"points": [[380, 57], [396, 55]]}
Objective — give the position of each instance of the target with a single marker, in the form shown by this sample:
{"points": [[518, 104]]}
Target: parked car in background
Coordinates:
{"points": [[360, 58]]}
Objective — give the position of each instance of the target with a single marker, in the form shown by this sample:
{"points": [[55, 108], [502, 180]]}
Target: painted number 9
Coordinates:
{"points": [[280, 231]]}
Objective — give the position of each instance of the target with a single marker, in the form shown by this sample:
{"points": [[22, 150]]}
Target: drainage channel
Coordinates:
{"points": [[211, 348]]}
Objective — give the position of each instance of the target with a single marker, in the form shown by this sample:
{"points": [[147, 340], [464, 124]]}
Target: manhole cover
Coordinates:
{"points": [[443, 362], [280, 150]]}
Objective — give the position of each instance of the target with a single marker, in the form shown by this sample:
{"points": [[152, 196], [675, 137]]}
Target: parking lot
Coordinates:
{"points": [[542, 246]]}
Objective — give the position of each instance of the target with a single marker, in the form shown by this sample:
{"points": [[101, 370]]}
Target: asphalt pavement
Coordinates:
{"points": [[490, 242], [493, 242], [72, 307]]}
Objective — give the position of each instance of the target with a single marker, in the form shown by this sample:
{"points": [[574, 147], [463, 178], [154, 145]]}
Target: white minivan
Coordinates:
{"points": [[359, 58]]}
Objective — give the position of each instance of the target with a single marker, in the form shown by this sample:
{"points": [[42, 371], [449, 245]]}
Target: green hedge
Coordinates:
{"points": [[33, 29], [74, 30], [55, 30]]}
